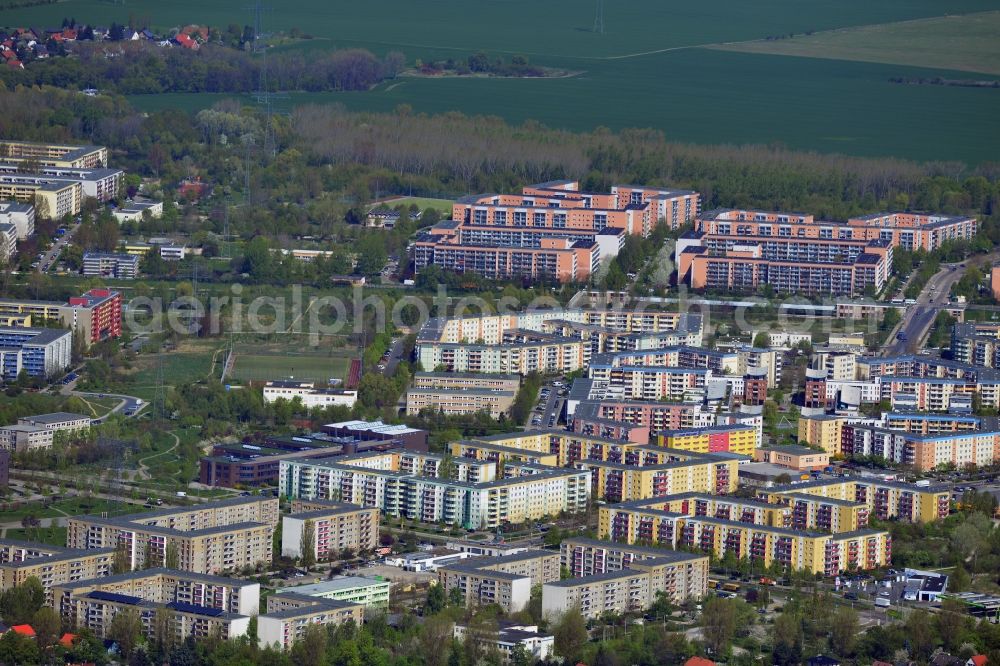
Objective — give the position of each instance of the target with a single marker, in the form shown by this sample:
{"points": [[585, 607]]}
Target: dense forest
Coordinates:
{"points": [[143, 67], [313, 173]]}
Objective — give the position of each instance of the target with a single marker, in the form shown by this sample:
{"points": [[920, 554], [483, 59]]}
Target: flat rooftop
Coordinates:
{"points": [[336, 584]]}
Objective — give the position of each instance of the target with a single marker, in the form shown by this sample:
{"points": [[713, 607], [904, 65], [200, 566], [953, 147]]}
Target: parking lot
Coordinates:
{"points": [[551, 400]]}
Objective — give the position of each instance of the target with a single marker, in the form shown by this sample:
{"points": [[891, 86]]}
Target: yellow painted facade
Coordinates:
{"points": [[822, 431], [741, 440]]}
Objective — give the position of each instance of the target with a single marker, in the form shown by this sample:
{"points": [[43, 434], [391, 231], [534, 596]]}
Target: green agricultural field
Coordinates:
{"points": [[969, 43], [654, 66], [540, 28]]}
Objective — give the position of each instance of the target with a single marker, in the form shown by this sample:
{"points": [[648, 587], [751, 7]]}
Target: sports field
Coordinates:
{"points": [[969, 43], [307, 367], [290, 357], [656, 65]]}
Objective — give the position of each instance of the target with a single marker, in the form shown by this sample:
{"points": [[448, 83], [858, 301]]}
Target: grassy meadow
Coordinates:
{"points": [[969, 43]]}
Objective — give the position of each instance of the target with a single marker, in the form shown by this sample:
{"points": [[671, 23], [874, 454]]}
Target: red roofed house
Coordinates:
{"points": [[185, 41], [199, 31], [24, 630], [699, 661], [192, 187], [977, 660], [67, 640]]}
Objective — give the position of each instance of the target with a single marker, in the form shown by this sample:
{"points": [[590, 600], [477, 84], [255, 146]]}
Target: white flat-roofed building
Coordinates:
{"points": [[57, 421], [309, 394], [22, 438], [134, 212], [21, 215], [121, 266], [8, 242], [372, 592], [538, 645], [173, 252]]}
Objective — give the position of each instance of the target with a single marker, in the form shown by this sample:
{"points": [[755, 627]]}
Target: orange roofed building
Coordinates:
{"points": [[550, 230], [743, 250]]}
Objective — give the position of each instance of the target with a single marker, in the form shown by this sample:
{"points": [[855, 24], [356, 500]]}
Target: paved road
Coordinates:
{"points": [[547, 411], [395, 356], [48, 261], [918, 318], [131, 405]]}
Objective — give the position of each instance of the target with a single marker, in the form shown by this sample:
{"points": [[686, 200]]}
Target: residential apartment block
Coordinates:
{"points": [[603, 417], [976, 343], [370, 481], [95, 315], [465, 380], [789, 266], [738, 439], [335, 527], [51, 565], [289, 614], [21, 215], [547, 341], [40, 352], [911, 231], [924, 452], [505, 581], [52, 197], [617, 482], [551, 230], [452, 401], [118, 266], [192, 605], [98, 183], [815, 552], [885, 500], [209, 538], [620, 578], [53, 154], [794, 253]]}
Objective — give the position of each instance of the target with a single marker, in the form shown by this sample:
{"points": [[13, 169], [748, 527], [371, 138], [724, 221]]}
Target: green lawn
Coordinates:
{"points": [[191, 363], [443, 205], [73, 506], [963, 43], [54, 536]]}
